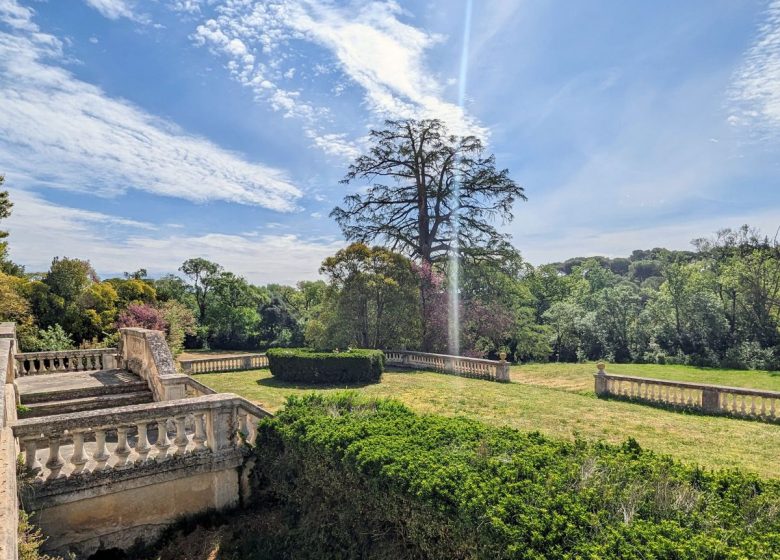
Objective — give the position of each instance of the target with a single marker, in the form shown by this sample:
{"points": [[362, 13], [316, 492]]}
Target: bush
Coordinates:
{"points": [[370, 479], [309, 366]]}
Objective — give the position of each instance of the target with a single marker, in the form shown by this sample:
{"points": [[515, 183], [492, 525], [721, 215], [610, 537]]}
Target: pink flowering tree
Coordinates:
{"points": [[142, 315]]}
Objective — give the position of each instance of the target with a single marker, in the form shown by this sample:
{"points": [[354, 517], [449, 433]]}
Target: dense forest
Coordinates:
{"points": [[428, 199]]}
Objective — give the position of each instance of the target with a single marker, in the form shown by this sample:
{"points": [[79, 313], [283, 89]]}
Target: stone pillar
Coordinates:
{"points": [[601, 380], [502, 369], [710, 400], [220, 428], [109, 360]]}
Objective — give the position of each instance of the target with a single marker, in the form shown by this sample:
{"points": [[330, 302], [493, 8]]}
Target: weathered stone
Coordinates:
{"points": [[121, 519]]}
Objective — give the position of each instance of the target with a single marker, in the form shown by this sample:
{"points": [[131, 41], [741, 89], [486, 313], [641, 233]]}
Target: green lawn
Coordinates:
{"points": [[579, 377], [559, 404]]}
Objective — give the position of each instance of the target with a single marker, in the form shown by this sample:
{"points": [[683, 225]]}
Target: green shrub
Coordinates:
{"points": [[309, 366], [370, 479]]}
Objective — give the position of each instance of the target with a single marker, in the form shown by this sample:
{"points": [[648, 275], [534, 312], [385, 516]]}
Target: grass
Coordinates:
{"points": [[558, 400]]}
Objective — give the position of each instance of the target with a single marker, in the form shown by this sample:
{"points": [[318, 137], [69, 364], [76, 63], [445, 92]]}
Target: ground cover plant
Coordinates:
{"points": [[356, 477], [559, 402], [311, 366]]}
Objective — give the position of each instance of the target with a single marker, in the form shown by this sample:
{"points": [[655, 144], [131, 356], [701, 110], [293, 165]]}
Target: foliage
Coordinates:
{"points": [[30, 540], [429, 194], [142, 315], [358, 478], [202, 273], [180, 323], [372, 301], [309, 366], [53, 337]]}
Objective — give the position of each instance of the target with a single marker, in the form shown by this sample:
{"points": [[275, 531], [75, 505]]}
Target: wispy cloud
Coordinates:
{"points": [[756, 89], [113, 9], [114, 245], [370, 46], [61, 132]]}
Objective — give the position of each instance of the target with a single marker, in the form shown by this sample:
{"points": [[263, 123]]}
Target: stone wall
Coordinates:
{"points": [[122, 519], [9, 503], [145, 353]]}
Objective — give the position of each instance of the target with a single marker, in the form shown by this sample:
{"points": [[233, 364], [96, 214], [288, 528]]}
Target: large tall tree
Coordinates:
{"points": [[428, 191]]}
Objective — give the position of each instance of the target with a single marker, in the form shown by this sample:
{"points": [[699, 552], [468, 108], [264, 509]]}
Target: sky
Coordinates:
{"points": [[137, 134]]}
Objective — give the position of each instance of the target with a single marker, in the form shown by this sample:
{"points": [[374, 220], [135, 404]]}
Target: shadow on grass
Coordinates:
{"points": [[279, 384]]}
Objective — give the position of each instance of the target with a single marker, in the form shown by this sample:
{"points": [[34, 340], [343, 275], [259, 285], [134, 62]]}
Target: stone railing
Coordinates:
{"points": [[711, 399], [9, 503], [228, 363], [468, 367], [68, 446], [35, 363], [145, 353]]}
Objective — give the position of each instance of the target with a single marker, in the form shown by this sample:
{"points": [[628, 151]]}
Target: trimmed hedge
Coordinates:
{"points": [[356, 478], [309, 366]]}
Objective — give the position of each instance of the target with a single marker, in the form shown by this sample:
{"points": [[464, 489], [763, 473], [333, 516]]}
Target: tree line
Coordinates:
{"points": [[427, 199]]}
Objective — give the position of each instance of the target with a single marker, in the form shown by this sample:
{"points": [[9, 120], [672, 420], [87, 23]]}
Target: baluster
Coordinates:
{"points": [[122, 451], [78, 459], [60, 363], [142, 446], [100, 456], [33, 368], [690, 399], [163, 443], [763, 407], [666, 394], [200, 433], [752, 405], [252, 427], [742, 407], [242, 427], [55, 462], [772, 407], [31, 455], [181, 440]]}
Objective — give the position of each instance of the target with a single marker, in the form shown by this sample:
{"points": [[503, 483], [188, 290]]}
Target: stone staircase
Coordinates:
{"points": [[80, 391]]}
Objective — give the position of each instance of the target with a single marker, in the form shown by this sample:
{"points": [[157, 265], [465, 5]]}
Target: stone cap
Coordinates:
{"points": [[123, 415]]}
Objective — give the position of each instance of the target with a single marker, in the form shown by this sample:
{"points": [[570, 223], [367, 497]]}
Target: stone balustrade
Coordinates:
{"points": [[494, 370], [226, 363], [712, 399], [35, 363], [68, 446], [9, 503]]}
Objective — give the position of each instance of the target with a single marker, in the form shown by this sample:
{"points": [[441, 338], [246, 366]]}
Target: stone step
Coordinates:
{"points": [[97, 402], [74, 385], [70, 394]]}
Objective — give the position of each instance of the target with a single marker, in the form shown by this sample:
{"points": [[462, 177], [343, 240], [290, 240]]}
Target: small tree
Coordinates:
{"points": [[203, 274]]}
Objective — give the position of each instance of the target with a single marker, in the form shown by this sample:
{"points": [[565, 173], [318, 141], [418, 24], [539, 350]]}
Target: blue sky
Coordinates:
{"points": [[138, 134]]}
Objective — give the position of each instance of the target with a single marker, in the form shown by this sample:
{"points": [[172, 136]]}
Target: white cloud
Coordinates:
{"points": [[61, 132], [113, 9], [756, 88], [114, 245], [369, 45], [16, 16]]}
